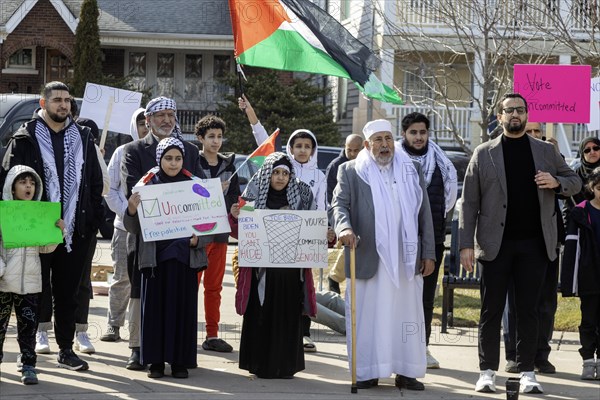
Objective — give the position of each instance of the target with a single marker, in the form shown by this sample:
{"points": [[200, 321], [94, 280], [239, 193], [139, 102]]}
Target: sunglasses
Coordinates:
{"points": [[588, 150], [519, 110]]}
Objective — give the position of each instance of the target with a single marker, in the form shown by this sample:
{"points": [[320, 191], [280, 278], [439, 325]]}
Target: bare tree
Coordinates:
{"points": [[463, 51]]}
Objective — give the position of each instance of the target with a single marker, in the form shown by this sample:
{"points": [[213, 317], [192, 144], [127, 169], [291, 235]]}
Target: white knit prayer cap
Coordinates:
{"points": [[379, 125]]}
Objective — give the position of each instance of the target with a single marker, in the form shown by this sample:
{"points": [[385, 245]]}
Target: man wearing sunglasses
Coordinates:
{"points": [[548, 299], [508, 223]]}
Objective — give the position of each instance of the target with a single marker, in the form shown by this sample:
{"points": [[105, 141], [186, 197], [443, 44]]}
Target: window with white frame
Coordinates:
{"points": [[418, 87], [221, 67], [137, 70], [165, 74], [21, 61]]}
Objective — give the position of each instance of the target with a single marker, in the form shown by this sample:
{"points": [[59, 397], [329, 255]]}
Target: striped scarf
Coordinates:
{"points": [[73, 151]]}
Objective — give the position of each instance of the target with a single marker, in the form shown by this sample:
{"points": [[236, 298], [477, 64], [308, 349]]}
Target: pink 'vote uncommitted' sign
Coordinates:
{"points": [[555, 93]]}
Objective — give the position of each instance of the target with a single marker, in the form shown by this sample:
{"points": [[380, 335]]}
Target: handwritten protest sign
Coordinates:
{"points": [[594, 124], [282, 238], [29, 223], [555, 93], [110, 106], [177, 210]]}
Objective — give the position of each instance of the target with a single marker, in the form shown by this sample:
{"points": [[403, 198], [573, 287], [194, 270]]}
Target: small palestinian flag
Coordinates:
{"points": [[297, 35], [270, 145]]}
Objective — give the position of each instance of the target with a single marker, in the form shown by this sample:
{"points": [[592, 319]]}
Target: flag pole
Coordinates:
{"points": [[354, 388], [241, 75]]}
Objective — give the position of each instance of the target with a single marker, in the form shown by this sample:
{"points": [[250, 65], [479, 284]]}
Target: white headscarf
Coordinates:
{"points": [[387, 233], [133, 130]]}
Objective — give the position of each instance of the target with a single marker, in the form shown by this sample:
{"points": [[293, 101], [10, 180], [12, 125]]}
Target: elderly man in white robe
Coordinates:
{"points": [[381, 208]]}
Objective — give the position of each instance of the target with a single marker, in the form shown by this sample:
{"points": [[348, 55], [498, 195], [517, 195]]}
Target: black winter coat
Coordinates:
{"points": [[331, 174], [580, 238], [437, 202], [23, 149]]}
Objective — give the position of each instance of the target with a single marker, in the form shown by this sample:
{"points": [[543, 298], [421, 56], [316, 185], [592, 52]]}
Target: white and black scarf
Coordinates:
{"points": [[73, 152], [298, 193], [435, 156]]}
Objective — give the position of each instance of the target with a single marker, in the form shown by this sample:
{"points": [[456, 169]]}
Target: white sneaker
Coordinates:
{"points": [[486, 382], [82, 343], [432, 363], [42, 346], [529, 383]]}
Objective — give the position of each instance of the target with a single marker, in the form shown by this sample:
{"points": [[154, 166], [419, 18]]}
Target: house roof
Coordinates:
{"points": [[174, 17]]}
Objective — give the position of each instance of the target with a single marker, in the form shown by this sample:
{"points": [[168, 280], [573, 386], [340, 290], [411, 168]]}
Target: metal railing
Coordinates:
{"points": [[189, 118], [441, 130], [581, 17], [580, 132], [441, 127]]}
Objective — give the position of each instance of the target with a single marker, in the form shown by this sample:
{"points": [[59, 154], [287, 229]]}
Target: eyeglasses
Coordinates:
{"points": [[519, 110], [588, 150]]}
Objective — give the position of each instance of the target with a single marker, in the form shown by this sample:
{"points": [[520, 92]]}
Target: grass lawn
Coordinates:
{"points": [[467, 304]]}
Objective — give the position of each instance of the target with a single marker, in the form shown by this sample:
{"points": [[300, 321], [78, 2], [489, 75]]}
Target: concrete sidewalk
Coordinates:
{"points": [[326, 375]]}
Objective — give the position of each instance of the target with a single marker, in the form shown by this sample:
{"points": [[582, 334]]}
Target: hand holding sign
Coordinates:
{"points": [[29, 223]]}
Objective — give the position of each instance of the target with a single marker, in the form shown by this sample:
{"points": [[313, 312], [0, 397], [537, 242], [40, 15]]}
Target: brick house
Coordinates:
{"points": [[175, 48]]}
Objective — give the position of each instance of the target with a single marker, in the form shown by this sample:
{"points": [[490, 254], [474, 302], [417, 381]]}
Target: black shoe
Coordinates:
{"points": [[69, 360], [111, 335], [217, 345], [157, 370], [333, 286], [134, 363], [404, 382], [545, 367], [368, 384], [179, 372], [511, 367]]}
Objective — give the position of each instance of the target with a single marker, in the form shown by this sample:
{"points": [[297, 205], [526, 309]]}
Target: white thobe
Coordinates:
{"points": [[390, 324]]}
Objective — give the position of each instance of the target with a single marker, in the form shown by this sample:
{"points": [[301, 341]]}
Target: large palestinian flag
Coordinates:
{"points": [[297, 35]]}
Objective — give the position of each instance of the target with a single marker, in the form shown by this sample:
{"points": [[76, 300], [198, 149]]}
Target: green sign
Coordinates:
{"points": [[29, 223]]}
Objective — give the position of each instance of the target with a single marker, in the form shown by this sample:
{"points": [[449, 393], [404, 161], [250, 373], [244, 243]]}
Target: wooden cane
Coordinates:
{"points": [[354, 388]]}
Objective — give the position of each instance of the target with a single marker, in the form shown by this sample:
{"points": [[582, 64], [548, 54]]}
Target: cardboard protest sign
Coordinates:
{"points": [[555, 93], [282, 238], [29, 223], [177, 210], [110, 108]]}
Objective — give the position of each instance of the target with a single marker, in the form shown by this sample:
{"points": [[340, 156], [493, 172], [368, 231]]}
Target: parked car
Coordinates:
{"points": [[246, 170], [325, 155], [18, 108]]}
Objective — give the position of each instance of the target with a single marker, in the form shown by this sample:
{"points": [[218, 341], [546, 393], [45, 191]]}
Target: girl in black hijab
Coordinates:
{"points": [[169, 277], [273, 300]]}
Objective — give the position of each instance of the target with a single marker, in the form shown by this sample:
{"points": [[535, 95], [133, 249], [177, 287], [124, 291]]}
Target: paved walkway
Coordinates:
{"points": [[326, 375]]}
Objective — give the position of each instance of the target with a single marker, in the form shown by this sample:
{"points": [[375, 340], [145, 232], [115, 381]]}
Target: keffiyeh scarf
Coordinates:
{"points": [[73, 151], [258, 188], [165, 144], [435, 157], [164, 103]]}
